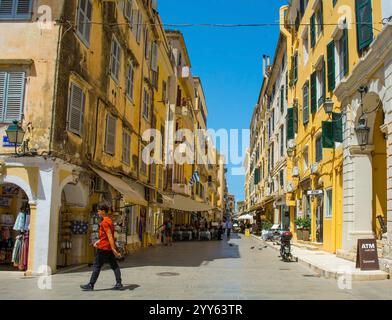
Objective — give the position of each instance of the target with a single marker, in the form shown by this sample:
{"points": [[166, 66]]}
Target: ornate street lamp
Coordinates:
{"points": [[362, 132], [15, 134], [328, 106]]}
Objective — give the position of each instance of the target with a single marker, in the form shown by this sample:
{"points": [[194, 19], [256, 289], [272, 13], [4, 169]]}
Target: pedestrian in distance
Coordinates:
{"points": [[169, 232], [229, 226], [106, 251]]}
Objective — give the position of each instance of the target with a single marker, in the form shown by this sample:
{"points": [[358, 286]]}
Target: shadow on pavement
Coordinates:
{"points": [[130, 287], [181, 254]]}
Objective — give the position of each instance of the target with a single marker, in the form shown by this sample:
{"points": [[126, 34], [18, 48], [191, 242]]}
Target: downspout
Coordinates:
{"points": [[141, 104], [56, 72]]}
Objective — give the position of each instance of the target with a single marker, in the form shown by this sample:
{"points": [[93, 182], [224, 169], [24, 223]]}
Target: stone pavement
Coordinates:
{"points": [[329, 265], [228, 270]]}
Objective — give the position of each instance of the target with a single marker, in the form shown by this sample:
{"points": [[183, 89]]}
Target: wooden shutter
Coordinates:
{"points": [[3, 82], [154, 59], [110, 143], [328, 139], [126, 147], [337, 127], [345, 52], [364, 14], [76, 110], [313, 31], [331, 66], [6, 8], [14, 97], [23, 7], [282, 99], [313, 92], [15, 9], [302, 7], [290, 124], [139, 26]]}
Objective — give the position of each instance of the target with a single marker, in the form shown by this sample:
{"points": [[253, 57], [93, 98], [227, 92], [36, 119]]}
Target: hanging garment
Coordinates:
{"points": [[25, 251], [27, 223], [20, 222], [16, 253]]}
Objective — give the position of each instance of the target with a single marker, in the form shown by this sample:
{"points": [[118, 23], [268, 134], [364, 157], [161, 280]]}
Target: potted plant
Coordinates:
{"points": [[306, 223], [299, 225]]}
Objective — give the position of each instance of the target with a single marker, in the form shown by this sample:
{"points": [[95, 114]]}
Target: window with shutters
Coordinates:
{"points": [[281, 179], [282, 141], [76, 106], [110, 135], [115, 59], [364, 13], [331, 65], [164, 91], [313, 31], [328, 137], [12, 95], [147, 46], [319, 149], [126, 147], [15, 9], [136, 22], [341, 57], [84, 15], [290, 124], [154, 56], [305, 93], [313, 92], [282, 98], [320, 18], [146, 104], [153, 174], [130, 78]]}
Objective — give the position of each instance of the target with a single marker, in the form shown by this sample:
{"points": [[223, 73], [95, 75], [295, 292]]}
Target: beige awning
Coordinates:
{"points": [[129, 193], [182, 203]]}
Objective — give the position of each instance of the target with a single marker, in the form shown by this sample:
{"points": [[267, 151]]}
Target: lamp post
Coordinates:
{"points": [[362, 132], [15, 134]]}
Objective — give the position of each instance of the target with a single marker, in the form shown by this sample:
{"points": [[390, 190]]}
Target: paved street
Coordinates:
{"points": [[239, 269]]}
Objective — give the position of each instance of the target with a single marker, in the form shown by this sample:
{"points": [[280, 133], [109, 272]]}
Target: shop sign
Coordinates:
{"points": [[314, 192], [7, 144], [367, 257]]}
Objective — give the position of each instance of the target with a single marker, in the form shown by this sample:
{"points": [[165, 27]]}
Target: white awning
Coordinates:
{"points": [[182, 203], [128, 192], [246, 217]]}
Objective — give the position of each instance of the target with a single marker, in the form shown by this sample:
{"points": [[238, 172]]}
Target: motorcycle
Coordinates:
{"points": [[285, 247]]}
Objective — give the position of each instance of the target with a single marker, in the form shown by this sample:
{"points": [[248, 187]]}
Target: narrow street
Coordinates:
{"points": [[238, 269]]}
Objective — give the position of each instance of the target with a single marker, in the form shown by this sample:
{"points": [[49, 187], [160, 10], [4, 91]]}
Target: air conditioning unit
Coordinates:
{"points": [[290, 187], [314, 168], [295, 172]]}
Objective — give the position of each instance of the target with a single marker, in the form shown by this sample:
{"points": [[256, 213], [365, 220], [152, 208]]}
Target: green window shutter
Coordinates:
{"points": [[319, 149], [324, 88], [334, 2], [305, 115], [337, 127], [331, 66], [345, 52], [321, 13], [313, 31], [313, 92], [364, 14], [328, 139], [290, 124], [282, 99]]}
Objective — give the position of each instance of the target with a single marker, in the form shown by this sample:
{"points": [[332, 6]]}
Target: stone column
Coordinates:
{"points": [[358, 196]]}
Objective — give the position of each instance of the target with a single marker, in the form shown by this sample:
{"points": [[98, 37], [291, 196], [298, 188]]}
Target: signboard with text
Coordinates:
{"points": [[367, 257]]}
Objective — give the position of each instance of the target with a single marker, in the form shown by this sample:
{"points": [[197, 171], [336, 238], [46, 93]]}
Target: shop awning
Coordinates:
{"points": [[182, 203], [129, 193]]}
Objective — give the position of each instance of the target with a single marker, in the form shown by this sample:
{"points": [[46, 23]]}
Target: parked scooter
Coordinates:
{"points": [[285, 246]]}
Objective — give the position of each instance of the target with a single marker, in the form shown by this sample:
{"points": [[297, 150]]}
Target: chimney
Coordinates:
{"points": [[264, 65]]}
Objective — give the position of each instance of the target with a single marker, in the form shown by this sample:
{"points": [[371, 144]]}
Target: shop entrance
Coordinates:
{"points": [[15, 225]]}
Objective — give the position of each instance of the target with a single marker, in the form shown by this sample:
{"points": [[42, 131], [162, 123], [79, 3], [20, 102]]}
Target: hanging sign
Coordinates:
{"points": [[315, 192], [367, 257]]}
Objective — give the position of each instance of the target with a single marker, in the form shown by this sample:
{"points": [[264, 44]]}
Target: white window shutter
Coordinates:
{"points": [[76, 110], [15, 96], [110, 143], [3, 80]]}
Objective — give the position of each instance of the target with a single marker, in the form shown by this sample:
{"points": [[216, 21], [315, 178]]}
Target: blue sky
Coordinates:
{"points": [[228, 60]]}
